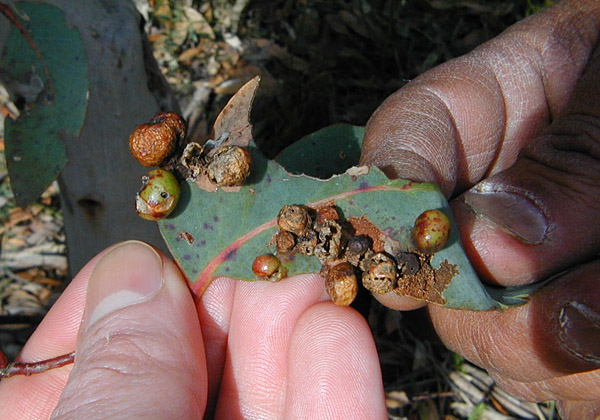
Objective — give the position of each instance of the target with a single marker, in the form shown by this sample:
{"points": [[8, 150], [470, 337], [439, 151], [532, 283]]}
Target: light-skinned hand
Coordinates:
{"points": [[145, 350]]}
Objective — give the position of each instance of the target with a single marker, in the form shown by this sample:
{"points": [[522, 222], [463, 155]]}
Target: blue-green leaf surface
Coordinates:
{"points": [[214, 234]]}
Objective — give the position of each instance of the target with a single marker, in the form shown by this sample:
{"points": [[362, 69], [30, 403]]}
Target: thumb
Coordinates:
{"points": [[140, 352], [539, 217]]}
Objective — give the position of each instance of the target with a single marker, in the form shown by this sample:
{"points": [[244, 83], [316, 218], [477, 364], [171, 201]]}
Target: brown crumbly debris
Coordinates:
{"points": [[427, 283], [329, 246]]}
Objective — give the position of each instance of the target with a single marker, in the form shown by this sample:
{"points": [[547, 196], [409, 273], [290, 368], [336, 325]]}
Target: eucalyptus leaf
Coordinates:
{"points": [[47, 74], [217, 232], [213, 234]]}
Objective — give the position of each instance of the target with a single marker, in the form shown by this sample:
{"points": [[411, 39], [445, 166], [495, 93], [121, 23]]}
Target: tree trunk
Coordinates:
{"points": [[99, 182]]}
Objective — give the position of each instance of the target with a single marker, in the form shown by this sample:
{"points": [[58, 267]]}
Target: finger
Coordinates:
{"points": [[140, 351], [35, 397], [579, 394], [471, 116], [259, 366], [537, 217], [262, 326], [581, 386], [575, 410], [261, 323], [214, 311], [549, 340], [333, 367]]}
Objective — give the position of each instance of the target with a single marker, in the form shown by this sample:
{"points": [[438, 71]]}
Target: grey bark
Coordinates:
{"points": [[99, 182]]}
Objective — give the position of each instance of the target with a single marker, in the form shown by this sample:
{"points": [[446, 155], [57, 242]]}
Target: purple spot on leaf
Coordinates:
{"points": [[187, 257], [216, 218], [231, 256], [169, 226], [227, 269], [207, 226], [364, 185]]}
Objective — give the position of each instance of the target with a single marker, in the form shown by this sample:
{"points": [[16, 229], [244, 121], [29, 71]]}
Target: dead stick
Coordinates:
{"points": [[20, 368]]}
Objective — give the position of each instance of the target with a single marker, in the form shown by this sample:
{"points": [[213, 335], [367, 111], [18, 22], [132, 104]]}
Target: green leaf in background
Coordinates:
{"points": [[220, 233], [326, 154], [53, 93]]}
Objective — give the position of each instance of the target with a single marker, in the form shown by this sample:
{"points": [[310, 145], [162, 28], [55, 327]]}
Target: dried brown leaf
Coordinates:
{"points": [[235, 116], [233, 123]]}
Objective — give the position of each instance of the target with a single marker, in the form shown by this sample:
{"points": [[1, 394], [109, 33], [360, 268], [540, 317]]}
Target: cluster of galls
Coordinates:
{"points": [[161, 143], [347, 257]]}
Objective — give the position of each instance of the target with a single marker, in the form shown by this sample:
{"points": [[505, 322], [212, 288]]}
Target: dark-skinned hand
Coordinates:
{"points": [[511, 132]]}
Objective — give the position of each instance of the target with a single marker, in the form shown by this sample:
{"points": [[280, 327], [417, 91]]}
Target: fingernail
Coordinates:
{"points": [[129, 273], [579, 331], [514, 213]]}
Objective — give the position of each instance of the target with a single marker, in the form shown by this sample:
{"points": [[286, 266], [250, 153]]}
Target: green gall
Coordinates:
{"points": [[158, 196], [431, 231]]}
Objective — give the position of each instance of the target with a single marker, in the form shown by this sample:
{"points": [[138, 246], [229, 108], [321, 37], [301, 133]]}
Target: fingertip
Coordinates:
{"points": [[57, 332], [261, 323], [397, 302], [32, 397], [215, 308], [35, 397], [334, 367], [496, 256]]}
